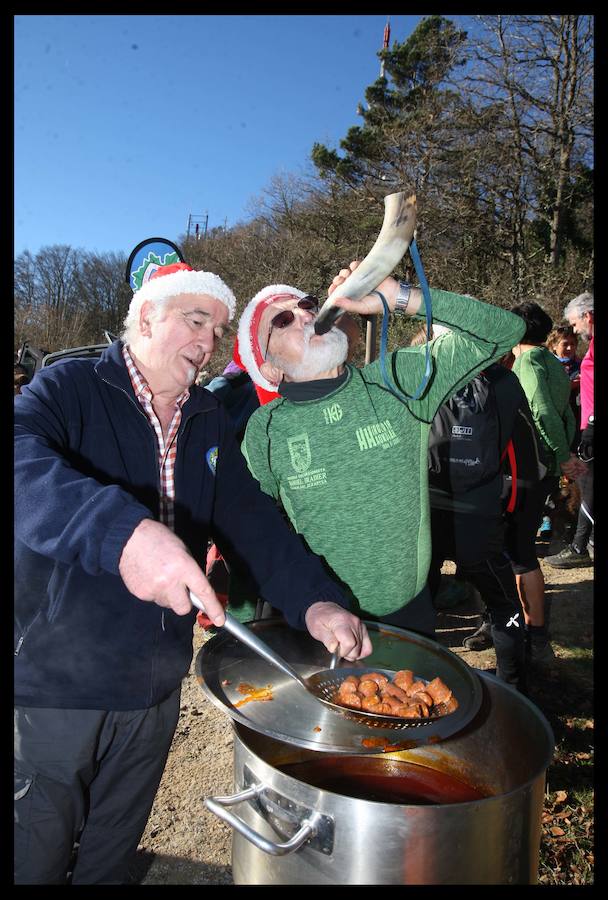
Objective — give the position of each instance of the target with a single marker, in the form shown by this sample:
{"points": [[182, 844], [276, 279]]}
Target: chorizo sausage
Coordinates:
{"points": [[368, 688], [438, 691], [395, 691], [403, 679], [370, 704], [353, 701], [375, 676]]}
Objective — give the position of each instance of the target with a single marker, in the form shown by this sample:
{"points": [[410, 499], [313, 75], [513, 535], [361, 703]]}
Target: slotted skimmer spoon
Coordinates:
{"points": [[323, 684]]}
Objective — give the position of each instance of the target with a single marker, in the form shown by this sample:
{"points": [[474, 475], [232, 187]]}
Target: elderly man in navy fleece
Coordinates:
{"points": [[124, 470]]}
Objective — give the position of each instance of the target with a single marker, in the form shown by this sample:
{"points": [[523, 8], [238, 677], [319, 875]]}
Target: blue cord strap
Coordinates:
{"points": [[426, 293]]}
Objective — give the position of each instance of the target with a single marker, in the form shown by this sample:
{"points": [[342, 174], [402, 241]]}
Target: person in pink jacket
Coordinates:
{"points": [[579, 313]]}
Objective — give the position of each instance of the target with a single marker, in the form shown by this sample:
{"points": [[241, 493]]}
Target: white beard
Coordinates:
{"points": [[317, 358]]}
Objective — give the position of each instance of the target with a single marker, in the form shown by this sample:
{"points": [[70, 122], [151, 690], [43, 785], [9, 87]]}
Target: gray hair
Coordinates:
{"points": [[579, 306], [130, 326]]}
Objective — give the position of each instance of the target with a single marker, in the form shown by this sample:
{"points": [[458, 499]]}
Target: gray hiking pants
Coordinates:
{"points": [[89, 776]]}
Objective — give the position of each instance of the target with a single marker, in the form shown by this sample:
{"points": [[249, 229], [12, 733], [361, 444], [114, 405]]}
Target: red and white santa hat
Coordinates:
{"points": [[249, 324], [180, 278]]}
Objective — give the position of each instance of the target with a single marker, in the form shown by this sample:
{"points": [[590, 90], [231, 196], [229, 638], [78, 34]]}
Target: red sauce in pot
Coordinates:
{"points": [[383, 780]]}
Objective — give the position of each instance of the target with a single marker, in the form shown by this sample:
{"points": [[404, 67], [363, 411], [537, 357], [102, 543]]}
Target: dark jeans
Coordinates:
{"points": [[475, 544], [89, 776]]}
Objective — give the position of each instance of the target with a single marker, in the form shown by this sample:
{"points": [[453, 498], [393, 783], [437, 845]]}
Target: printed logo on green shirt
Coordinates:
{"points": [[332, 413], [378, 434], [301, 458], [299, 452]]}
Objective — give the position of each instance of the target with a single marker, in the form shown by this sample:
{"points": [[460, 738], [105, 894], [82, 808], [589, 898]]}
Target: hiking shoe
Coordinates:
{"points": [[541, 650], [480, 639], [568, 558]]}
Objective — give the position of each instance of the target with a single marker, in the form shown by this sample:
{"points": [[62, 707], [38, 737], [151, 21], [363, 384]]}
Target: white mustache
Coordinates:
{"points": [[308, 330]]}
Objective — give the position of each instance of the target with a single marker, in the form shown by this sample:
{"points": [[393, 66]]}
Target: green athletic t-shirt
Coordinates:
{"points": [[547, 387], [351, 468]]}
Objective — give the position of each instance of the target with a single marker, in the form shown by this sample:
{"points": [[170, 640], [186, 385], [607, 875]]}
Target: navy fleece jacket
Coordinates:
{"points": [[86, 474]]}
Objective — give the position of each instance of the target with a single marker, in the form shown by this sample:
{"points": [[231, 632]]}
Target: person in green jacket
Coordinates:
{"points": [[547, 388], [347, 458]]}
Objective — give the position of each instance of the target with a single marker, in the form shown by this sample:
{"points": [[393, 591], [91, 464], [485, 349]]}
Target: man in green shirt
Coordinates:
{"points": [[346, 457], [547, 389]]}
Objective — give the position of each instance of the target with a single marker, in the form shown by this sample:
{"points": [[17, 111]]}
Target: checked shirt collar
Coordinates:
{"points": [[167, 449]]}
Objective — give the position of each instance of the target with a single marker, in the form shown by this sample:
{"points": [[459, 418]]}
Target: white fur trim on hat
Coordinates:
{"points": [[185, 282], [249, 347]]}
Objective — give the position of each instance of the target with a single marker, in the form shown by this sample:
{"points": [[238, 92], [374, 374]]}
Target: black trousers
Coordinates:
{"points": [[584, 525], [522, 525], [89, 776], [475, 544], [418, 615]]}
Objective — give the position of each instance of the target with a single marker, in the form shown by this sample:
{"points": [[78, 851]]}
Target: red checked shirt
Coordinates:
{"points": [[167, 449]]}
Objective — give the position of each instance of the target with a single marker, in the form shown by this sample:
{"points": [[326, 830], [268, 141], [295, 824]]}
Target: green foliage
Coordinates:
{"points": [[416, 69], [425, 59]]}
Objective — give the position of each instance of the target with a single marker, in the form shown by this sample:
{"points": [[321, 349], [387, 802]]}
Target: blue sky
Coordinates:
{"points": [[125, 125]]}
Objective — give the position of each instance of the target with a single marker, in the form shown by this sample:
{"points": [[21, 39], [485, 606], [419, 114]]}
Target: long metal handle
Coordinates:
{"points": [[217, 806], [242, 633]]}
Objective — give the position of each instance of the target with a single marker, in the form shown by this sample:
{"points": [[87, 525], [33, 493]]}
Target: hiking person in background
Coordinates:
{"points": [[467, 523], [123, 470], [562, 343], [471, 437], [344, 455], [579, 313], [547, 388]]}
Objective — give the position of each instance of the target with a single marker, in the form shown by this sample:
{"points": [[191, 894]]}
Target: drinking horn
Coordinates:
{"points": [[391, 245]]}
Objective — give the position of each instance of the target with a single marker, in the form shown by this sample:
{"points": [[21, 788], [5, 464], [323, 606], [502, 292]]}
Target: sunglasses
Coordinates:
{"points": [[287, 316]]}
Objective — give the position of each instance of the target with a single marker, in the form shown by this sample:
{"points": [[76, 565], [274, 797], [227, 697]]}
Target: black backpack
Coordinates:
{"points": [[464, 444]]}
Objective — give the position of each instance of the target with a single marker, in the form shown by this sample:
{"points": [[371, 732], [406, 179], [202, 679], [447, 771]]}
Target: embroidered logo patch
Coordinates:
{"points": [[211, 457]]}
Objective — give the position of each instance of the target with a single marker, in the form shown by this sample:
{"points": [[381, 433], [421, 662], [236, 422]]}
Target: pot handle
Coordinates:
{"points": [[217, 806]]}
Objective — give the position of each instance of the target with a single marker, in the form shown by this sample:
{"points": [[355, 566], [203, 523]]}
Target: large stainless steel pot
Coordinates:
{"points": [[289, 832]]}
